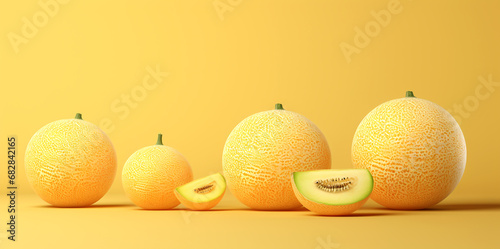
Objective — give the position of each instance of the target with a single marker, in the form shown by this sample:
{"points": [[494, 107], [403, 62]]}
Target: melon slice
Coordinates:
{"points": [[202, 194], [333, 192]]}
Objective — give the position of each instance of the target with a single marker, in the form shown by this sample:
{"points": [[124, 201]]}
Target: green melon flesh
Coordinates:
{"points": [[188, 190], [360, 188]]}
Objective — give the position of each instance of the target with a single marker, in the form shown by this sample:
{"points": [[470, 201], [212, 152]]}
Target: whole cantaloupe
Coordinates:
{"points": [[70, 163], [263, 151], [152, 173], [415, 151]]}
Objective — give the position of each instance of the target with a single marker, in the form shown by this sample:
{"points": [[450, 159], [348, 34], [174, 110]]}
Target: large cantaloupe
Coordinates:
{"points": [[415, 151], [70, 163], [152, 173], [263, 151]]}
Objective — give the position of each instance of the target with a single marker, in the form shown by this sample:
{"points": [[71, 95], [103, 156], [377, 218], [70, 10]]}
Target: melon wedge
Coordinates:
{"points": [[333, 192], [202, 194]]}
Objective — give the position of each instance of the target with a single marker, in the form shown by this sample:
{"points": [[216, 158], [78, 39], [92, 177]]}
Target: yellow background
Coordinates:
{"points": [[92, 53]]}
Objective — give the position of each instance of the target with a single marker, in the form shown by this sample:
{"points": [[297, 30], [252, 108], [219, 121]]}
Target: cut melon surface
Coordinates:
{"points": [[202, 194], [333, 192]]}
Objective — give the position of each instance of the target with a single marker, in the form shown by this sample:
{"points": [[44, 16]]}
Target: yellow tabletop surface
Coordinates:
{"points": [[114, 222]]}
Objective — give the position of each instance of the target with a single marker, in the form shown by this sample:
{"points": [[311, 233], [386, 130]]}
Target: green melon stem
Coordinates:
{"points": [[410, 94], [278, 106], [78, 116], [159, 141]]}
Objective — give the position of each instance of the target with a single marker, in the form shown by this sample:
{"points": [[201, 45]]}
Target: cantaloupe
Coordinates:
{"points": [[331, 191], [151, 174], [70, 163], [264, 149], [202, 194], [414, 149]]}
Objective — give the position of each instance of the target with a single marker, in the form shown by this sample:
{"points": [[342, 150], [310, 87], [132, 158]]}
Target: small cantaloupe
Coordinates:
{"points": [[70, 163], [151, 175], [202, 194], [333, 192], [414, 149], [264, 149]]}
